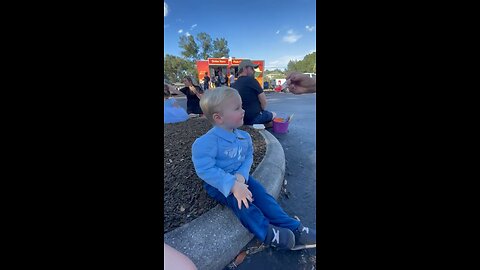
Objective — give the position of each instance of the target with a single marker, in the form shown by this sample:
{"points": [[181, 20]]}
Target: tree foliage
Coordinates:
{"points": [[220, 48], [306, 65], [206, 45], [274, 74], [175, 68], [193, 49], [203, 47], [189, 47]]}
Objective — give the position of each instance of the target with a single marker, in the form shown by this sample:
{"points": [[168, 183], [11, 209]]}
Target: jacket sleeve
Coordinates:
{"points": [[204, 152], [184, 90], [244, 169]]}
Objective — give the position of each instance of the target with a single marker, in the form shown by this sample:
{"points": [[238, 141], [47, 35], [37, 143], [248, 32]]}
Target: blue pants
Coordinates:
{"points": [[263, 117], [262, 211]]}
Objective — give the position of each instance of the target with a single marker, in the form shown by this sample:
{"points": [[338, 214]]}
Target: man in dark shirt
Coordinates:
{"points": [[206, 81], [221, 78], [254, 100]]}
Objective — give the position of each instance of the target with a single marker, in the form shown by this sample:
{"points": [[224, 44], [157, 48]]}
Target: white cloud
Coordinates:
{"points": [[291, 37], [193, 26], [278, 31], [165, 9], [187, 34], [309, 28], [180, 31], [282, 62]]}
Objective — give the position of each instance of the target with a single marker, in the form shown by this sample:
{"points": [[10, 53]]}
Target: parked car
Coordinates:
{"points": [[174, 90]]}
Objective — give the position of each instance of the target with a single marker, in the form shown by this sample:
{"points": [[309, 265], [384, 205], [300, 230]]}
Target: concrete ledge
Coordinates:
{"points": [[214, 239]]}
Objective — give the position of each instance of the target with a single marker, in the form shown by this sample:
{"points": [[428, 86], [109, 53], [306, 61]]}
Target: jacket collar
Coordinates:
{"points": [[229, 136]]}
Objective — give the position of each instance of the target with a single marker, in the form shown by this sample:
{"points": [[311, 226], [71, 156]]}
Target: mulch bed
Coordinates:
{"points": [[184, 197]]}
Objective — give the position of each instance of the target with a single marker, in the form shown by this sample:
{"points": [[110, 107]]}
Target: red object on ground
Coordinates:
{"points": [[278, 88]]}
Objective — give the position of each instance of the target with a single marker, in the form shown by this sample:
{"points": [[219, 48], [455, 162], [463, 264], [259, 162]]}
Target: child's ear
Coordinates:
{"points": [[217, 118]]}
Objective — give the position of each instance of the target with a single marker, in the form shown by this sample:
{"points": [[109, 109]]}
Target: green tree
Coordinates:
{"points": [[220, 48], [292, 65], [206, 46], [203, 47], [306, 65], [189, 46], [175, 68]]}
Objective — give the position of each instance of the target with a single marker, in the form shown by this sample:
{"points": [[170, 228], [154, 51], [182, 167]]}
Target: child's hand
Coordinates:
{"points": [[242, 194], [240, 178]]}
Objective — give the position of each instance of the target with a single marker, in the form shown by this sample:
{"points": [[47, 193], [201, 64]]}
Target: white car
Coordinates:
{"points": [[173, 89], [311, 75]]}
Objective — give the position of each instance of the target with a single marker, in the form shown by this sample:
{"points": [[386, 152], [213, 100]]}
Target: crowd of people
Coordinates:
{"points": [[254, 100], [224, 155]]}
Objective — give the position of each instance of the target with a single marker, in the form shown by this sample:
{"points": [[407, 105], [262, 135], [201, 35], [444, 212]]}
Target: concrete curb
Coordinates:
{"points": [[214, 239]]}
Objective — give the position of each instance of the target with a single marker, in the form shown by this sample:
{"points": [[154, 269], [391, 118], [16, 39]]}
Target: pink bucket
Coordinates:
{"points": [[280, 127]]}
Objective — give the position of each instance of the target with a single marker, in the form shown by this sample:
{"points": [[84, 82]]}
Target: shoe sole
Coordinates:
{"points": [[304, 247]]}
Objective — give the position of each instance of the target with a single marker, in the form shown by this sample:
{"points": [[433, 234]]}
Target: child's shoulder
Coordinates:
{"points": [[207, 137], [243, 133]]}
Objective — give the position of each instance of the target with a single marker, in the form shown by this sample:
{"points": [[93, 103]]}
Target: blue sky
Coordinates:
{"points": [[274, 31]]}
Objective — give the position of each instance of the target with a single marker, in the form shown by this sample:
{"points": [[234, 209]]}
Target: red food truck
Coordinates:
{"points": [[227, 66]]}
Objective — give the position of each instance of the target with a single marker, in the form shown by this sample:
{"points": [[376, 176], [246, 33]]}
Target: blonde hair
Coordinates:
{"points": [[212, 100]]}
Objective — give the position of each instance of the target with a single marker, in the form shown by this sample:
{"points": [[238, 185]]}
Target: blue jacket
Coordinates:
{"points": [[218, 155], [172, 112]]}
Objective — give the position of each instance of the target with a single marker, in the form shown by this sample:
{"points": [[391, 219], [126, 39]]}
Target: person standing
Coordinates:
{"points": [[231, 79], [193, 93], [221, 78], [254, 101], [206, 81]]}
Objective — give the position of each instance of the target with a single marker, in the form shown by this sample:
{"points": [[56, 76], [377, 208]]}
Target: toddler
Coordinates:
{"points": [[222, 159]]}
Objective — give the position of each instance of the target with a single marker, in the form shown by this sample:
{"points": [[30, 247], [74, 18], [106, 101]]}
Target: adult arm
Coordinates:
{"points": [[204, 151], [184, 90], [175, 260], [263, 100], [261, 95], [198, 91], [299, 83], [173, 90]]}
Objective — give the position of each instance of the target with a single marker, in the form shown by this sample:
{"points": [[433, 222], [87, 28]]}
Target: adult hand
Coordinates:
{"points": [[242, 194], [299, 83]]}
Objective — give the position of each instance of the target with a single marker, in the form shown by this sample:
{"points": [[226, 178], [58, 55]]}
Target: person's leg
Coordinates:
{"points": [[251, 218], [255, 222], [270, 207], [175, 260], [265, 117]]}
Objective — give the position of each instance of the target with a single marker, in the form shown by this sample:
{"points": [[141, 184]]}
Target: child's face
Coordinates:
{"points": [[231, 115]]}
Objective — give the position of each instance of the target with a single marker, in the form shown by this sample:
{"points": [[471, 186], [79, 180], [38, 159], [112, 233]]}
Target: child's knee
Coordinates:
{"points": [[233, 203]]}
